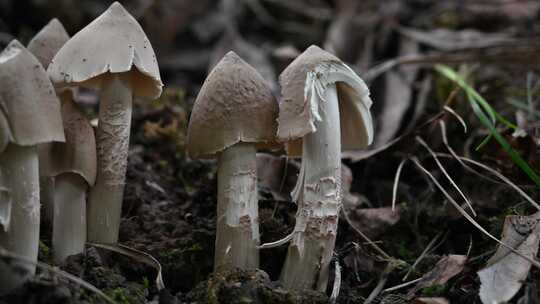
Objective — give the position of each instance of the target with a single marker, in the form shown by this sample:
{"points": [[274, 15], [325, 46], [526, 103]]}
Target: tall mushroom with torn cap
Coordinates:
{"points": [[233, 115], [324, 109], [44, 45], [70, 165], [32, 111], [113, 54]]}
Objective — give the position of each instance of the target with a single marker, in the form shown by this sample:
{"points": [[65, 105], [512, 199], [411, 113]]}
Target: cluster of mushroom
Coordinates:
{"points": [[324, 109], [47, 142]]}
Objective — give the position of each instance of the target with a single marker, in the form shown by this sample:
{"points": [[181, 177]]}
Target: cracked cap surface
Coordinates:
{"points": [[234, 105]]}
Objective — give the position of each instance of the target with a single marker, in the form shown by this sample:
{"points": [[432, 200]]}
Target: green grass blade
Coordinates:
{"points": [[488, 119]]}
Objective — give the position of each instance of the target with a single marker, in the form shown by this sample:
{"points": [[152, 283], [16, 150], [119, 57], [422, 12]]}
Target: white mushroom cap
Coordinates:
{"points": [[48, 41], [78, 153], [28, 98], [308, 76], [113, 43], [234, 105]]}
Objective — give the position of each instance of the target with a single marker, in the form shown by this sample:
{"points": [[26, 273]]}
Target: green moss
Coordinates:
{"points": [[45, 253]]}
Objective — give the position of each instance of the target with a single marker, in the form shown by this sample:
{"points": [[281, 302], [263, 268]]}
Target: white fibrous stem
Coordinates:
{"points": [[69, 225], [318, 195], [112, 140], [19, 164], [237, 232]]}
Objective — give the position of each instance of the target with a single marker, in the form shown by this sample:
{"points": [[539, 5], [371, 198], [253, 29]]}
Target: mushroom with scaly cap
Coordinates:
{"points": [[234, 114], [114, 55], [324, 110], [71, 165], [32, 111]]}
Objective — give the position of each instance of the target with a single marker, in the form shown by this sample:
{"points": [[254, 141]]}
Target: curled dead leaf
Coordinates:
{"points": [[505, 272], [445, 269]]}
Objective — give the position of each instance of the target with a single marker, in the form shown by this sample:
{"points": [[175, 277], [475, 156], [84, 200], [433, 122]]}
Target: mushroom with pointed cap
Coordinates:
{"points": [[113, 54], [71, 165], [32, 110], [324, 110], [44, 45], [233, 115]]}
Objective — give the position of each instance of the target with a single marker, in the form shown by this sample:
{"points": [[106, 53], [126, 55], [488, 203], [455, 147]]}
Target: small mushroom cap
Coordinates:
{"points": [[48, 41], [296, 118], [5, 131], [113, 43], [234, 105], [28, 98], [78, 153]]}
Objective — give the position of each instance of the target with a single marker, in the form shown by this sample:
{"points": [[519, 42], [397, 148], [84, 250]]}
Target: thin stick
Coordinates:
{"points": [[337, 282], [467, 216], [443, 170], [499, 175], [396, 182]]}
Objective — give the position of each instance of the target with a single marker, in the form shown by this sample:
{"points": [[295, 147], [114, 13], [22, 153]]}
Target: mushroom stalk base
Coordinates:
{"points": [[19, 164], [112, 140], [237, 232], [318, 195], [69, 225]]}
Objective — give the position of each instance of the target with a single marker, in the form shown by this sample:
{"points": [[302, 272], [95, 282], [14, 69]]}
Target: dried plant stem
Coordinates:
{"points": [[105, 200], [318, 194], [20, 165], [237, 233]]}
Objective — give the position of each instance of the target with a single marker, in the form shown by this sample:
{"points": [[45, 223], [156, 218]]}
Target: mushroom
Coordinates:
{"points": [[324, 109], [111, 54], [233, 115], [32, 111], [44, 46], [71, 165]]}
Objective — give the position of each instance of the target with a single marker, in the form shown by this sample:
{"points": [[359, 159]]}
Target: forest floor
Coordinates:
{"points": [[397, 47]]}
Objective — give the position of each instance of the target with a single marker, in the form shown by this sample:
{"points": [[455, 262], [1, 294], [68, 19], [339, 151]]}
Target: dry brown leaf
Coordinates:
{"points": [[445, 269], [372, 221], [505, 272]]}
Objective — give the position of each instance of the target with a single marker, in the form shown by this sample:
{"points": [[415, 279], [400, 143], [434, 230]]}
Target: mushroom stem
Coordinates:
{"points": [[237, 232], [318, 194], [112, 140], [5, 134], [69, 225], [20, 165]]}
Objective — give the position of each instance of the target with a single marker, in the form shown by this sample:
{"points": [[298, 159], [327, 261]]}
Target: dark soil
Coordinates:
{"points": [[169, 201]]}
